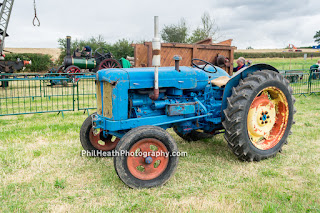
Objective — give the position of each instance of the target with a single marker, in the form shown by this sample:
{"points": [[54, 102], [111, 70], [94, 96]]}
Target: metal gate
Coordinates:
{"points": [[303, 82], [40, 93]]}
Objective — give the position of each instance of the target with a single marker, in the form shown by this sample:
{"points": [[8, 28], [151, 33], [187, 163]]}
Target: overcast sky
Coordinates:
{"points": [[256, 23]]}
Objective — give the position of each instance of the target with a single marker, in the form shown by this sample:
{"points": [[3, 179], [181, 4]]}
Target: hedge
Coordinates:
{"points": [[40, 62], [274, 55]]}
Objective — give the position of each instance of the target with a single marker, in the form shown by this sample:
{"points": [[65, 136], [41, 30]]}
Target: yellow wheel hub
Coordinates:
{"points": [[267, 118]]}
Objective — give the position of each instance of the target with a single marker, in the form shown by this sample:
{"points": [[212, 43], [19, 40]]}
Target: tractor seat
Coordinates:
{"points": [[221, 81]]}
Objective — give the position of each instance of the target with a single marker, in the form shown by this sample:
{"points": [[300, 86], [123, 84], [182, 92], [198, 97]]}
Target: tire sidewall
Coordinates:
{"points": [[84, 134], [131, 138]]}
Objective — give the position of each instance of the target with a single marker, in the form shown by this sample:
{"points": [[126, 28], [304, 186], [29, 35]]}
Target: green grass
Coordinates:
{"points": [[41, 170], [286, 63]]}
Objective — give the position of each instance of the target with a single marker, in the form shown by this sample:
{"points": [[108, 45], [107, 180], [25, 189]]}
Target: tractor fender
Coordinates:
{"points": [[235, 79]]}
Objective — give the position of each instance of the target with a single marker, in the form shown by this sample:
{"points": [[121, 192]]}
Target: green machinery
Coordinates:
{"points": [[81, 60]]}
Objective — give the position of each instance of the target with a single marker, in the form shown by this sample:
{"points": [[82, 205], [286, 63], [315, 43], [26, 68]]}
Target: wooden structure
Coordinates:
{"points": [[204, 49]]}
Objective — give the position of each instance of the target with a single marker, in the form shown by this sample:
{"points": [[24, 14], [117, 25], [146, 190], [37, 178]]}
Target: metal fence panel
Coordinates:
{"points": [[39, 93], [314, 82], [303, 82], [86, 94]]}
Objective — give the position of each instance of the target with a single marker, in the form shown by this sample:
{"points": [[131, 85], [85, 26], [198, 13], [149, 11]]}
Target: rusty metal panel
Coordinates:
{"points": [[181, 109], [167, 54], [140, 55]]}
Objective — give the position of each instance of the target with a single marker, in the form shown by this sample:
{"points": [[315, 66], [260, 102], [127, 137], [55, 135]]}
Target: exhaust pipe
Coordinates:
{"points": [[177, 59], [156, 47], [68, 46]]}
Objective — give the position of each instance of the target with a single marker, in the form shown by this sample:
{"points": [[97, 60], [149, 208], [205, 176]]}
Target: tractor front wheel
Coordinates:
{"points": [[146, 160], [73, 70], [259, 116], [93, 140]]}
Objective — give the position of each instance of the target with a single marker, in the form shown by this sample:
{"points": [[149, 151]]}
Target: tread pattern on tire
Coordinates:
{"points": [[235, 112]]}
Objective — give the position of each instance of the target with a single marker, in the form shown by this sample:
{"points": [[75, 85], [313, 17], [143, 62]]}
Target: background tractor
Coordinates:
{"points": [[82, 61], [254, 109]]}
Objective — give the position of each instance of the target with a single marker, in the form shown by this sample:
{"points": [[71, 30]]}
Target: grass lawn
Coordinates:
{"points": [[286, 63], [41, 170]]}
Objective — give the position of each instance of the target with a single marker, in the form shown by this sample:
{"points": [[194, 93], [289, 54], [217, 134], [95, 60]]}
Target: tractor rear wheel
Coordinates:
{"points": [[109, 63], [146, 165], [92, 140], [259, 116], [194, 135]]}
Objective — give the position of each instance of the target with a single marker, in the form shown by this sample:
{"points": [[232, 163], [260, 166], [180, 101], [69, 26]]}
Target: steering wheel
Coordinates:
{"points": [[100, 53], [206, 63]]}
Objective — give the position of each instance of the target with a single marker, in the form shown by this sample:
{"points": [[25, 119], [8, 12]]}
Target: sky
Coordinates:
{"points": [[257, 23]]}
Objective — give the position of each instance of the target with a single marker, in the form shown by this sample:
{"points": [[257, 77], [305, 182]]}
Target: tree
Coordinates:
{"points": [[175, 33], [122, 48], [317, 37], [208, 29]]}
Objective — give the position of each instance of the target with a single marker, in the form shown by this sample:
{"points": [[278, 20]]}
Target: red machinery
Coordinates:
{"points": [[293, 48]]}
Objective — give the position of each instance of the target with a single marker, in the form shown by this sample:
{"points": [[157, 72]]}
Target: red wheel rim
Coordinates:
{"points": [[60, 69], [100, 143], [138, 166], [74, 69], [268, 118], [109, 63]]}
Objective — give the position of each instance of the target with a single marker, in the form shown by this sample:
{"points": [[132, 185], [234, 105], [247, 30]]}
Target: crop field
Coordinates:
{"points": [[41, 169]]}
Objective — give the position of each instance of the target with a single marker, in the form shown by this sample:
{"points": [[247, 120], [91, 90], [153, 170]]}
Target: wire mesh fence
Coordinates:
{"points": [[39, 93], [59, 92], [303, 82]]}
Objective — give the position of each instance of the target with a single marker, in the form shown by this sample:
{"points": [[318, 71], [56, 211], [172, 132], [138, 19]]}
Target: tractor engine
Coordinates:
{"points": [[187, 100]]}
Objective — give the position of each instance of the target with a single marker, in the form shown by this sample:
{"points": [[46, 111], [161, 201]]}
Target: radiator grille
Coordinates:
{"points": [[107, 100]]}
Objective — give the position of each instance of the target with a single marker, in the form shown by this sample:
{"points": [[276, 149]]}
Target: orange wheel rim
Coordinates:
{"points": [[267, 118], [150, 166], [100, 143]]}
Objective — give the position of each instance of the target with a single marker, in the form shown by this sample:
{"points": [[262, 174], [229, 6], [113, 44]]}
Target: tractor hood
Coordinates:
{"points": [[143, 78]]}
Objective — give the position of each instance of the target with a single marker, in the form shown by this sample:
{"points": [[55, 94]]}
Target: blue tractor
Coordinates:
{"points": [[253, 108]]}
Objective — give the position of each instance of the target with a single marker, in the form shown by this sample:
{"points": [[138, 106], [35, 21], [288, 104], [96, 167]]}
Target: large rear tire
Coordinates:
{"points": [[259, 116]]}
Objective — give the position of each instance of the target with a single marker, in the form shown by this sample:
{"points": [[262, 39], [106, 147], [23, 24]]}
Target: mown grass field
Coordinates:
{"points": [[285, 63], [41, 170], [288, 64]]}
